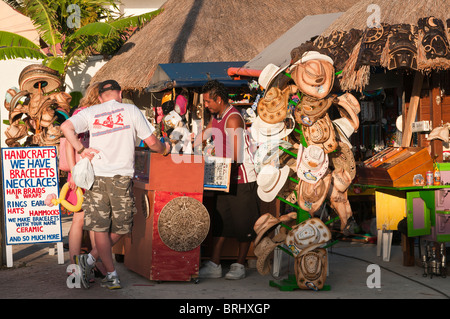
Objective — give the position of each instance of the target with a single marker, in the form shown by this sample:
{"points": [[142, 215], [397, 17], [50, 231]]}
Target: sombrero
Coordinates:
{"points": [[307, 236], [183, 223], [36, 75]]}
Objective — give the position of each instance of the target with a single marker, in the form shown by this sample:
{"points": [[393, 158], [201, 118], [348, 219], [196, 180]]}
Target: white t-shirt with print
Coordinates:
{"points": [[113, 128]]}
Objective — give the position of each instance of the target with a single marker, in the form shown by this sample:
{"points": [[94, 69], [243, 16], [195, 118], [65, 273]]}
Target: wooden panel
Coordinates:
{"points": [[390, 208], [398, 170], [138, 245], [168, 264], [177, 173]]}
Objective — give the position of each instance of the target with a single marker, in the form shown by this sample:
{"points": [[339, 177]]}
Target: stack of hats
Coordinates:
{"points": [[326, 145], [303, 240], [325, 165]]}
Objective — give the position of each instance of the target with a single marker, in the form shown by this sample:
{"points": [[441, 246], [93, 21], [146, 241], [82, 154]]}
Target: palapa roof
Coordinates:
{"points": [[207, 31], [416, 30]]}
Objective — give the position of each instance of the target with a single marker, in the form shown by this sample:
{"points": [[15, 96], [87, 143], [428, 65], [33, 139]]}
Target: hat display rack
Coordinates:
{"points": [[36, 108], [296, 101]]}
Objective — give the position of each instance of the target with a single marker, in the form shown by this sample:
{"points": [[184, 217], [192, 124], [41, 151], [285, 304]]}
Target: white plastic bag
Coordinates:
{"points": [[83, 173]]}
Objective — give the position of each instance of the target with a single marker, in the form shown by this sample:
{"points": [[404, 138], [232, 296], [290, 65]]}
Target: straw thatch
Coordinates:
{"points": [[208, 31], [404, 26]]}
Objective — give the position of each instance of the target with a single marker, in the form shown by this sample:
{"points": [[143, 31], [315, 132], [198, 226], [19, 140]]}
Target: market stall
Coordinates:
{"points": [[412, 45], [377, 112]]}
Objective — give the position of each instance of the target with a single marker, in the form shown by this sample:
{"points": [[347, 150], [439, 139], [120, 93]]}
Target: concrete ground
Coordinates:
{"points": [[37, 275]]}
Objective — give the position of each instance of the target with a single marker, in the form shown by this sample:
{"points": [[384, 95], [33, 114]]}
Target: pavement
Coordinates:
{"points": [[37, 275]]}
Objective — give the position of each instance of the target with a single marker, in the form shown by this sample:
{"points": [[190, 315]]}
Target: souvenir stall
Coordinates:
{"points": [[407, 174], [304, 160], [170, 233]]}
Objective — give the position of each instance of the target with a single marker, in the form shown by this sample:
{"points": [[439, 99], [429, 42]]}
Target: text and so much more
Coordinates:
{"points": [[29, 175]]}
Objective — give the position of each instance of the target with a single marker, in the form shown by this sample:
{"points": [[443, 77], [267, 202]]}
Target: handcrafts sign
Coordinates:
{"points": [[29, 175]]}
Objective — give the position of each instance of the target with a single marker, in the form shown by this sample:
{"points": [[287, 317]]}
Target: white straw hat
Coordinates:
{"points": [[270, 181], [312, 163]]}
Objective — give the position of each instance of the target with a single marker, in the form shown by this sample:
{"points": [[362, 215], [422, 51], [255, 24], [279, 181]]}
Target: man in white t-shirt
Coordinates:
{"points": [[109, 205]]}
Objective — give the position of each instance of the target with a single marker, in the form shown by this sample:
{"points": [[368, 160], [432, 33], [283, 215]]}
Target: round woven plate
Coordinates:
{"points": [[183, 223]]}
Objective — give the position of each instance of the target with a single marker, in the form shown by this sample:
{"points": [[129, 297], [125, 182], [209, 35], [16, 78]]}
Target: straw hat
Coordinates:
{"points": [[183, 223], [263, 251], [313, 74], [307, 236], [440, 133], [311, 196], [262, 131], [312, 163], [314, 55], [344, 130], [272, 108], [268, 152], [310, 109], [36, 75], [343, 158], [311, 269], [268, 75], [270, 180], [341, 179], [263, 224], [321, 133], [349, 108]]}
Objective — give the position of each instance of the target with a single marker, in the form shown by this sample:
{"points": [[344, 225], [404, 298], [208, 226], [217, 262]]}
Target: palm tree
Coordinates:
{"points": [[70, 31]]}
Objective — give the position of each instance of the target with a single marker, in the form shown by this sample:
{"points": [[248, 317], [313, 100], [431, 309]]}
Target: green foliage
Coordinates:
{"points": [[13, 46], [72, 29]]}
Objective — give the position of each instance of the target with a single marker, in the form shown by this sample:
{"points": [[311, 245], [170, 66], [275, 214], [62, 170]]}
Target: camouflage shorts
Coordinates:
{"points": [[109, 205]]}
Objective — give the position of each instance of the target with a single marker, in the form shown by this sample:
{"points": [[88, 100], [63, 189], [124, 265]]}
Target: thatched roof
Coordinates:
{"points": [[208, 31], [416, 29]]}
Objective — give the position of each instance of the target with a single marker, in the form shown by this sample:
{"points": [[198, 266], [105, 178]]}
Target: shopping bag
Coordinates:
{"points": [[83, 173]]}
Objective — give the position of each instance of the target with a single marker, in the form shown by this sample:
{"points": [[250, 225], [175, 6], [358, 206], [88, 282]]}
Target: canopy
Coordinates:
{"points": [[279, 51], [170, 75]]}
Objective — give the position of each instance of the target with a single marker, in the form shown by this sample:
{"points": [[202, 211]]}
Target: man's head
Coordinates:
{"points": [[109, 90], [215, 96]]}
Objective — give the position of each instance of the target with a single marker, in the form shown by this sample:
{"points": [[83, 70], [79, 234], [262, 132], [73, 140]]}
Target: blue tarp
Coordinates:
{"points": [[170, 75]]}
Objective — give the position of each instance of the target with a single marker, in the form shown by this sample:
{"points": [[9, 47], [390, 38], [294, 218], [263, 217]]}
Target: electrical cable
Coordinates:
{"points": [[394, 272]]}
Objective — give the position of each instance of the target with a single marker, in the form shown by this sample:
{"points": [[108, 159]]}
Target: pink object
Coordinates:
{"points": [[180, 104]]}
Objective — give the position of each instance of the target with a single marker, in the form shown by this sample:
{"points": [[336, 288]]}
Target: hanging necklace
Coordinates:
{"points": [[219, 117]]}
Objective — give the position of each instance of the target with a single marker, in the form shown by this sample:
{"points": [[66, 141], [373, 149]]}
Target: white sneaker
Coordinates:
{"points": [[237, 271], [210, 270]]}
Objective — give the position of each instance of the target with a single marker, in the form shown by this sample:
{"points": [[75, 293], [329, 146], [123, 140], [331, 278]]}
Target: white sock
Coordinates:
{"points": [[90, 260], [110, 274]]}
